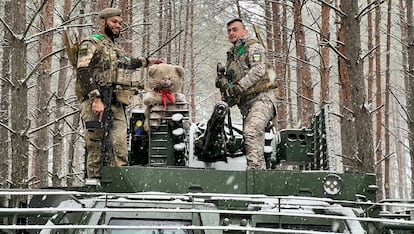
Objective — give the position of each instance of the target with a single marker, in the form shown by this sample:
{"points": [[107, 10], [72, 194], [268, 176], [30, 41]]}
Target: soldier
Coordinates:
{"points": [[245, 72], [104, 73]]}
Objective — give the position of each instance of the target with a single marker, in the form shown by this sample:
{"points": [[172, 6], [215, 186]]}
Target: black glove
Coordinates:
{"points": [[233, 95], [234, 90]]}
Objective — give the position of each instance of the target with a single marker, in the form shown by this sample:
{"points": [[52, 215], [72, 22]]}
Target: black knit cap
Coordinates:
{"points": [[109, 12]]}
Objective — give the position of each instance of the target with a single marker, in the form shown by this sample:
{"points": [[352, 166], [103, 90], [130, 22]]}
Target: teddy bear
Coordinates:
{"points": [[163, 87]]}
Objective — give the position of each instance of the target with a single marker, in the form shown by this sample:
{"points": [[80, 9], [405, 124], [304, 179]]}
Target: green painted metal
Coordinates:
{"points": [[268, 182], [296, 146]]}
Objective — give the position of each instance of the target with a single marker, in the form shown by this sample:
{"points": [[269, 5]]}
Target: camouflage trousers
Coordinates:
{"points": [[256, 116], [118, 151]]}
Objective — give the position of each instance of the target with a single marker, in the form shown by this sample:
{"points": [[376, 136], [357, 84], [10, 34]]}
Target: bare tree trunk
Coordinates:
{"points": [[169, 24], [378, 102], [399, 154], [349, 145], [280, 68], [287, 74], [178, 24], [60, 169], [41, 151], [410, 85], [303, 74], [4, 105], [404, 58], [364, 154], [75, 168], [186, 32], [269, 21], [126, 7], [192, 61], [325, 57], [160, 25], [178, 17], [387, 105], [145, 36], [370, 75], [20, 122]]}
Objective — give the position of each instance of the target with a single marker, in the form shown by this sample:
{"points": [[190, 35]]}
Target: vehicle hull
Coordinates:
{"points": [[267, 182]]}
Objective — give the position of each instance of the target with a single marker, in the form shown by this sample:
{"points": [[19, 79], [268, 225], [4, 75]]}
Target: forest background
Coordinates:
{"points": [[355, 56]]}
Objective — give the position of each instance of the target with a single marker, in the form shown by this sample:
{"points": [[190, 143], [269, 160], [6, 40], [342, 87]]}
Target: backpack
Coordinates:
{"points": [[71, 49]]}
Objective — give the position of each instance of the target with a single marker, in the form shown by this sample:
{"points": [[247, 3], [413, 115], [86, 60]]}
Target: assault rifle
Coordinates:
{"points": [[106, 123]]}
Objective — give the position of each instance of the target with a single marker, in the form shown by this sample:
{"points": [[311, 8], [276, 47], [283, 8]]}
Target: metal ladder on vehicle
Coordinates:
{"points": [[161, 139]]}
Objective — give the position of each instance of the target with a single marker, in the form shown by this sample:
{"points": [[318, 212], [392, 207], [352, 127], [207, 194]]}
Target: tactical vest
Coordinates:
{"points": [[235, 68], [111, 66]]}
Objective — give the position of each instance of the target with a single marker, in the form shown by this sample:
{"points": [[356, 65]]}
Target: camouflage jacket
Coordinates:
{"points": [[103, 62], [248, 62]]}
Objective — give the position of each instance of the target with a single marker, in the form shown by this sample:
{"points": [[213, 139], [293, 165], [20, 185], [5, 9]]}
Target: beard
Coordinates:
{"points": [[109, 32]]}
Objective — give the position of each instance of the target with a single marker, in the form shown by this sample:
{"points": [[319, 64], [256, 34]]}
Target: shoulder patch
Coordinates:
{"points": [[257, 56], [83, 49]]}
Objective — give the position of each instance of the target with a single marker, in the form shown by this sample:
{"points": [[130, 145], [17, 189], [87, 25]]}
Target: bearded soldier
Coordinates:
{"points": [[246, 86], [104, 87]]}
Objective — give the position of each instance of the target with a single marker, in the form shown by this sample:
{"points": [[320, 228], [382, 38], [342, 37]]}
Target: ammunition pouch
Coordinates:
{"points": [[123, 70], [93, 124], [124, 94]]}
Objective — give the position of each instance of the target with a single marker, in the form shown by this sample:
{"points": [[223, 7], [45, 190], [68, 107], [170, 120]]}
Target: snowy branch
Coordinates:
{"points": [[7, 127], [33, 18], [337, 10], [53, 122], [7, 81], [335, 50], [368, 9], [56, 29], [7, 27], [369, 52], [40, 62]]}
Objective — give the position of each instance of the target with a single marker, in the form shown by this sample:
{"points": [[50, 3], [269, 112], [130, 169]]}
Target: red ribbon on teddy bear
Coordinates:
{"points": [[166, 94]]}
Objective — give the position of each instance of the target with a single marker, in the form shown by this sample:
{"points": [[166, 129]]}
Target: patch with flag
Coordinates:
{"points": [[257, 56], [83, 49]]}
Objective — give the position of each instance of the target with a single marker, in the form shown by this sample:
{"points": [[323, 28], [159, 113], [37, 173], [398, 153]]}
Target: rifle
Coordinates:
{"points": [[225, 80], [106, 123], [71, 47]]}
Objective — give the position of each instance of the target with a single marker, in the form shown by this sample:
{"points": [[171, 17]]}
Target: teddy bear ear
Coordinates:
{"points": [[180, 71]]}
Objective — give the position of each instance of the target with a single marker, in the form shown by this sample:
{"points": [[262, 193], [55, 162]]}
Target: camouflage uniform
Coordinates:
{"points": [[248, 62], [104, 63]]}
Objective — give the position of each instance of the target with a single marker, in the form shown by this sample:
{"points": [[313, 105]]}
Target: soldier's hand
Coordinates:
{"points": [[98, 107], [232, 101], [233, 95], [152, 61], [234, 90]]}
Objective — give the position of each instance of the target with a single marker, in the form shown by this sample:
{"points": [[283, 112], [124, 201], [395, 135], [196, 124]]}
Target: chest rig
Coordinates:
{"points": [[238, 64], [111, 66], [238, 61]]}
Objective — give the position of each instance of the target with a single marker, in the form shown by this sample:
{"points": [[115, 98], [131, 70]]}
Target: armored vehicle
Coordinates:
{"points": [[188, 177]]}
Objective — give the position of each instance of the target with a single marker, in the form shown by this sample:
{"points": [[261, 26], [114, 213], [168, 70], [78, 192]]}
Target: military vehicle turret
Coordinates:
{"points": [[188, 177]]}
